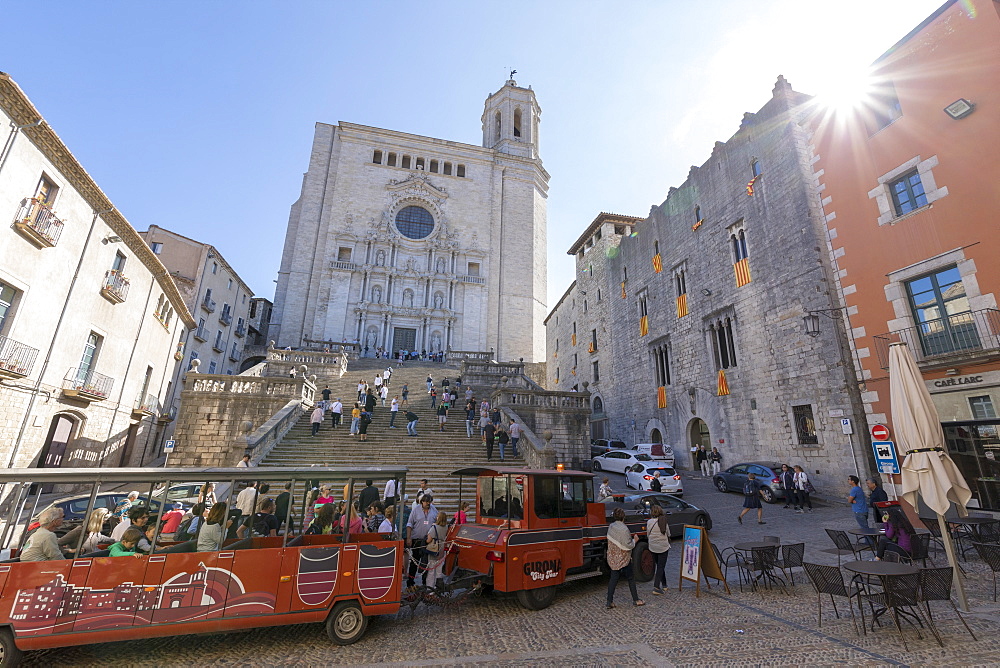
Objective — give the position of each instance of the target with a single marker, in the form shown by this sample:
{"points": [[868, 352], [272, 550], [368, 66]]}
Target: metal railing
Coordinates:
{"points": [[16, 358], [480, 280], [148, 404], [962, 335], [115, 286], [349, 266], [226, 317], [87, 383], [35, 218], [201, 334], [208, 304]]}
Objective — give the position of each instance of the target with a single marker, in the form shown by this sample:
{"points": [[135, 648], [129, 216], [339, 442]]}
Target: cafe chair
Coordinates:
{"points": [[730, 557], [989, 532], [920, 549], [829, 580], [891, 556], [900, 595], [774, 540], [763, 562], [991, 555], [791, 557], [935, 585], [844, 545]]}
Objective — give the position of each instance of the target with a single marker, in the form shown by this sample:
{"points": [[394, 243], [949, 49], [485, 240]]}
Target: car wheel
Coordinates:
{"points": [[645, 562], [10, 655], [767, 494], [346, 623], [597, 466], [537, 599], [701, 520], [721, 485]]}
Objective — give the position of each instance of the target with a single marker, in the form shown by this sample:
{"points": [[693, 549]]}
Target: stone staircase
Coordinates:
{"points": [[432, 454]]}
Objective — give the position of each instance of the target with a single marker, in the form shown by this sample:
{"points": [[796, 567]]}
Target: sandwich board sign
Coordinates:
{"points": [[697, 559]]}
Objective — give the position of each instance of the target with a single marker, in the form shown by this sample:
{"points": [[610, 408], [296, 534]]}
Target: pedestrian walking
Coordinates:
{"points": [[362, 386], [470, 418], [803, 488], [384, 394], [787, 481], [442, 413], [430, 382], [751, 499], [411, 423], [655, 485], [434, 397], [503, 438], [435, 546], [859, 505], [326, 393], [417, 526], [515, 436], [876, 495], [406, 394], [336, 413], [390, 496], [316, 419], [495, 417], [702, 458], [489, 431], [619, 555], [658, 535], [393, 409], [363, 422], [716, 458], [355, 418]]}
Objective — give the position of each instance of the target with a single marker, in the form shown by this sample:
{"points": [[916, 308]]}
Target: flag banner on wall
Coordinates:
{"points": [[555, 356], [698, 224], [751, 185], [624, 296], [723, 384], [644, 325], [661, 397], [742, 271], [591, 348], [573, 371], [682, 305], [572, 339], [179, 353], [657, 263]]}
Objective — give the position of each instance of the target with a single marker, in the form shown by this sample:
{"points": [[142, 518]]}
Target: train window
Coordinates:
{"points": [[498, 500], [560, 497]]}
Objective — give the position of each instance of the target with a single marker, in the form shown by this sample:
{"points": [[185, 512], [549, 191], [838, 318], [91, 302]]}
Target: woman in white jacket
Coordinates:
{"points": [[803, 487], [658, 534]]}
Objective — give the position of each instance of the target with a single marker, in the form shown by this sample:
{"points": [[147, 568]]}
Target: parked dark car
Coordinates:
{"points": [[733, 478], [75, 507], [599, 446], [678, 512]]}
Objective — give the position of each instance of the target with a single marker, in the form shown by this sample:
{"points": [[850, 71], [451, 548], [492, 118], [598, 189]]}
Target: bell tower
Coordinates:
{"points": [[510, 121]]}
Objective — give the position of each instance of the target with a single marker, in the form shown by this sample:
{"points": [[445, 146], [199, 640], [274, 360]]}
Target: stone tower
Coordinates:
{"points": [[399, 241]]}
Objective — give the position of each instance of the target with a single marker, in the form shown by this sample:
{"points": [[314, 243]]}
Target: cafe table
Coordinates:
{"points": [[766, 570], [878, 569]]}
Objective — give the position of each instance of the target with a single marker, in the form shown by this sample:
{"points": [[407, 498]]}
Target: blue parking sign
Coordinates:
{"points": [[885, 456]]}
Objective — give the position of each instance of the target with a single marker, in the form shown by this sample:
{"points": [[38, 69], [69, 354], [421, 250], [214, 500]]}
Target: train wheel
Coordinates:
{"points": [[643, 562], [10, 655], [536, 599], [346, 623]]}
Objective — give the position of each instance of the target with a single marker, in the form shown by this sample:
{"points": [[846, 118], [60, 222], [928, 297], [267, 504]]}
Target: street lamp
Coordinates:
{"points": [[811, 319]]}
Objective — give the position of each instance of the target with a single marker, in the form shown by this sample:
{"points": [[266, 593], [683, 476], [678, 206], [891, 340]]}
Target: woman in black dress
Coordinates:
{"points": [[751, 499]]}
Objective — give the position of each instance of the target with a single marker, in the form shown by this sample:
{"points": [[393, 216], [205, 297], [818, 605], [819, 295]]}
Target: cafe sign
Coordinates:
{"points": [[952, 383]]}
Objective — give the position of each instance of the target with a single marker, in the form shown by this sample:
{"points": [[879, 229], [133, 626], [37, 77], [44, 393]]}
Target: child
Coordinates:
{"points": [[126, 546]]}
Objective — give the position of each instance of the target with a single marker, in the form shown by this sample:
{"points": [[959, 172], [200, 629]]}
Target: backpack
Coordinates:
{"points": [[182, 533], [750, 487]]}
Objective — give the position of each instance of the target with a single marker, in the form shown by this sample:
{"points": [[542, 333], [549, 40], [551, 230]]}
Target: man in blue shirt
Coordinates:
{"points": [[856, 497]]}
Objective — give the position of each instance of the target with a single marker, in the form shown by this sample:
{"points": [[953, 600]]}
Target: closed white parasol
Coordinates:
{"points": [[927, 469]]}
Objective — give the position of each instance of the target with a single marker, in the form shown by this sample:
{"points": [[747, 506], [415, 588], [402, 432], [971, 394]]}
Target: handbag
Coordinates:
{"points": [[433, 544], [809, 486]]}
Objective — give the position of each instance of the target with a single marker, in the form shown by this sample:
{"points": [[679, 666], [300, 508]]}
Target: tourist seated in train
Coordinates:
{"points": [[43, 545], [93, 536], [137, 516], [261, 523], [145, 545], [374, 517], [324, 522], [356, 525], [126, 546], [214, 531], [387, 525]]}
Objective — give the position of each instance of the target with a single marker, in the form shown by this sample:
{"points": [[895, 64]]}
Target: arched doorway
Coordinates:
{"points": [[698, 435], [598, 420], [655, 436], [60, 435]]}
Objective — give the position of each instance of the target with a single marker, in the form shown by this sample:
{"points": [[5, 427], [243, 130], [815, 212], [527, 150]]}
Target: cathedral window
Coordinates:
{"points": [[517, 122], [391, 161], [434, 166], [754, 167], [344, 254], [498, 125], [420, 163], [461, 171], [447, 169], [406, 162], [697, 214], [414, 222], [377, 157], [473, 269]]}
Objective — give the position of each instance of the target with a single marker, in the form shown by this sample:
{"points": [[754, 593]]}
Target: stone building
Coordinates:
{"points": [[910, 193], [707, 298], [399, 241], [216, 296], [579, 329], [90, 320]]}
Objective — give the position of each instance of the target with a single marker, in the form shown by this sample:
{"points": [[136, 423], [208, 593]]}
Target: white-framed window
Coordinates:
{"points": [[8, 297], [982, 407], [157, 247], [906, 189]]}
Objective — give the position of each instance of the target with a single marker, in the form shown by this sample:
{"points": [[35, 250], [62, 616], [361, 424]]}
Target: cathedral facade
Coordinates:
{"points": [[405, 242]]}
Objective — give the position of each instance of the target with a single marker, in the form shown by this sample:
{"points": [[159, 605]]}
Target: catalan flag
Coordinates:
{"points": [[572, 339], [591, 348], [723, 384], [657, 263], [682, 305], [698, 224], [661, 397], [742, 271], [624, 296], [644, 325], [751, 184], [573, 371]]}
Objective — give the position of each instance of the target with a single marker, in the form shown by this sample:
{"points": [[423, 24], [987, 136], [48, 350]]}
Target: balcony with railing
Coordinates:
{"points": [[38, 223], [241, 330], [347, 266], [208, 304], [87, 385], [234, 355], [16, 359], [115, 286], [479, 280], [954, 339], [226, 317], [201, 334], [217, 346], [146, 405]]}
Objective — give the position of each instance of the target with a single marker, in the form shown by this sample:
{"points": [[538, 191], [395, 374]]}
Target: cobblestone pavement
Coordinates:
{"points": [[715, 629]]}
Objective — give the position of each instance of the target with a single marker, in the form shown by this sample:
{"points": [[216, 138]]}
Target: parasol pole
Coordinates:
{"points": [[949, 548]]}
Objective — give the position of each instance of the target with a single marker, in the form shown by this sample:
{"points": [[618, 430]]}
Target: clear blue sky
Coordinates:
{"points": [[198, 116]]}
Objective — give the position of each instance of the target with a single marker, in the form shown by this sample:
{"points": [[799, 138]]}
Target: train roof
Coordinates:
{"points": [[510, 470], [112, 475]]}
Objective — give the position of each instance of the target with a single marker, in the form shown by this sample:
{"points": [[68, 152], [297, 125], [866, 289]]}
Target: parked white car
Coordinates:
{"points": [[638, 476], [658, 451], [617, 461]]}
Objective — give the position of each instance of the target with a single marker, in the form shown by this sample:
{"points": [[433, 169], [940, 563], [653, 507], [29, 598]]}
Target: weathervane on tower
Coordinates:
{"points": [[512, 73]]}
